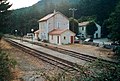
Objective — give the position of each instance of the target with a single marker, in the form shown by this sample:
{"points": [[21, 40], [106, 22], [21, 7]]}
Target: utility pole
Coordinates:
{"points": [[73, 15]]}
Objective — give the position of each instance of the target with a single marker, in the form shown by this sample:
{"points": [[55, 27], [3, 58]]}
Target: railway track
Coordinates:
{"points": [[81, 56], [61, 63]]}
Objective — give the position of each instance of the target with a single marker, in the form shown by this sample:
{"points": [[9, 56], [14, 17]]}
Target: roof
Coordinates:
{"points": [[37, 31], [58, 31], [49, 16], [84, 23]]}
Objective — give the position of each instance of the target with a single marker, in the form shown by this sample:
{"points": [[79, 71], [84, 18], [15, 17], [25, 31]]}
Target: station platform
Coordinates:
{"points": [[84, 49], [53, 53]]}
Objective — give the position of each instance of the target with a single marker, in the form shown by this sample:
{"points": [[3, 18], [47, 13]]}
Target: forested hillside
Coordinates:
{"points": [[26, 18]]}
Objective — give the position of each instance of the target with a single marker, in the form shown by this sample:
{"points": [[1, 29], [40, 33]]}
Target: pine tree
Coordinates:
{"points": [[91, 29], [73, 25], [4, 14], [114, 24]]}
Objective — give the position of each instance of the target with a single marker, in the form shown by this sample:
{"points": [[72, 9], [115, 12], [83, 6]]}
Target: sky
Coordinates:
{"points": [[22, 3]]}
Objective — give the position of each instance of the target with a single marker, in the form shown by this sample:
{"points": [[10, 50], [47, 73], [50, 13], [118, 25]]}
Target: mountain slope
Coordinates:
{"points": [[26, 18]]}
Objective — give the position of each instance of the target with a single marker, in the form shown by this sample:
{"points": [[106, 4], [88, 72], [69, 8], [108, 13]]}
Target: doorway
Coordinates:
{"points": [[58, 39], [72, 39], [96, 35]]}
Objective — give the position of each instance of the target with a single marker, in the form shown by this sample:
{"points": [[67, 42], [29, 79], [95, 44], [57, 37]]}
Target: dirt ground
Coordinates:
{"points": [[90, 50], [27, 65]]}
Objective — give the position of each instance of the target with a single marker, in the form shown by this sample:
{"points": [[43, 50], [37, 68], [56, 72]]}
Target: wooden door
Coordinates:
{"points": [[72, 39], [58, 39]]}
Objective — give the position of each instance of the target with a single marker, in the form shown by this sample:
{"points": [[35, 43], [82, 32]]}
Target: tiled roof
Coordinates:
{"points": [[57, 31], [50, 15], [84, 23], [47, 17]]}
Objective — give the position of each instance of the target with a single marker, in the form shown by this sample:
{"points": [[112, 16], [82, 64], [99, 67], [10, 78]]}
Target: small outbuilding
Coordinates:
{"points": [[37, 34], [83, 32], [61, 36]]}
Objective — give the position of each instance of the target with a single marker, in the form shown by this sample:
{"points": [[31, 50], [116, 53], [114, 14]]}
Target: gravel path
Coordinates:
{"points": [[28, 67]]}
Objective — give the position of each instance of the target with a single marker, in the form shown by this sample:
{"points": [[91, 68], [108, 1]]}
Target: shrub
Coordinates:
{"points": [[105, 71], [6, 65], [96, 71], [1, 35], [118, 50]]}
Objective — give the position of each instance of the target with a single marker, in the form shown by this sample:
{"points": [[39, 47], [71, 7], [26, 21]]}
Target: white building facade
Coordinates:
{"points": [[52, 21], [83, 33], [54, 27]]}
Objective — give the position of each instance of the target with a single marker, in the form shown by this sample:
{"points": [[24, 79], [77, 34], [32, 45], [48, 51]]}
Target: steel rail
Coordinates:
{"points": [[81, 56], [59, 62]]}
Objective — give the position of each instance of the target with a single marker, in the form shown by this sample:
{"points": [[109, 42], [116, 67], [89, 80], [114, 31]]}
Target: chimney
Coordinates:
{"points": [[54, 11]]}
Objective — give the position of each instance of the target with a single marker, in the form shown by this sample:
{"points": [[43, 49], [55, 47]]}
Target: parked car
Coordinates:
{"points": [[76, 40], [108, 46], [115, 43], [29, 35], [88, 40], [113, 46]]}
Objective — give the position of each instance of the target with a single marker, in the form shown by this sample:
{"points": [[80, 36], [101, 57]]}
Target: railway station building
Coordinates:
{"points": [[54, 28]]}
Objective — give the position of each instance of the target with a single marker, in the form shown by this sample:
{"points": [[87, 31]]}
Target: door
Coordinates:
{"points": [[72, 39], [58, 39], [96, 35]]}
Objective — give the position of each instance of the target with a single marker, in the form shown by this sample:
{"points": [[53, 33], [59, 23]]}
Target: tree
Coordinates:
{"points": [[87, 18], [4, 14], [73, 25], [114, 24], [91, 28]]}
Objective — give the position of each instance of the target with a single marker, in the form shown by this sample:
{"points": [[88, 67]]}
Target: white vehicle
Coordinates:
{"points": [[88, 40]]}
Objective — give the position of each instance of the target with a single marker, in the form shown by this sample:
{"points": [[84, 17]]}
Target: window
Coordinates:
{"points": [[58, 24], [58, 39], [64, 37], [52, 37]]}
